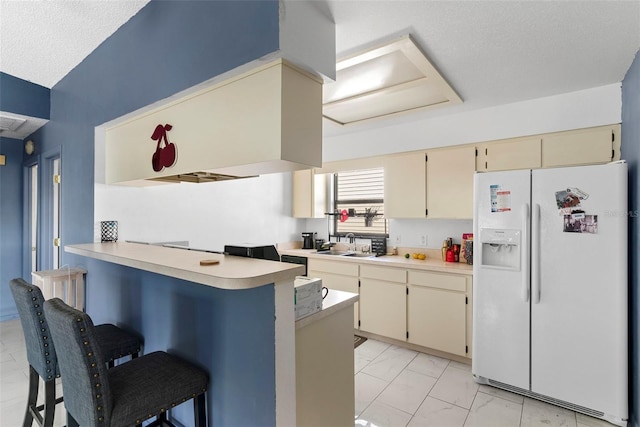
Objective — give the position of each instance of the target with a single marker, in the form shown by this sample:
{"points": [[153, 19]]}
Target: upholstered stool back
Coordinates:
{"points": [[41, 353], [89, 398]]}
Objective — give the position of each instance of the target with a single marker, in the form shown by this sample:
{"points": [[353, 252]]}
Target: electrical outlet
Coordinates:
{"points": [[423, 240], [398, 239]]}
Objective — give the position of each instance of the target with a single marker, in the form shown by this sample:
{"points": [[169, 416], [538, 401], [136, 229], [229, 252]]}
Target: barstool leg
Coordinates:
{"points": [[49, 402], [199, 411], [32, 398]]}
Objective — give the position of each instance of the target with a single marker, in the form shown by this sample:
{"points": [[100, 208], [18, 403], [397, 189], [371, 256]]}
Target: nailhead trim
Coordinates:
{"points": [[100, 404]]}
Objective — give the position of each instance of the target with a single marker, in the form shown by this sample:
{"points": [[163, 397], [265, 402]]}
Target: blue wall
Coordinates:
{"points": [[10, 223], [631, 153], [167, 47], [22, 97], [230, 333]]}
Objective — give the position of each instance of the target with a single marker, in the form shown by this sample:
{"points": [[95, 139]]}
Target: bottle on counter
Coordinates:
{"points": [[445, 247], [456, 253], [450, 256]]}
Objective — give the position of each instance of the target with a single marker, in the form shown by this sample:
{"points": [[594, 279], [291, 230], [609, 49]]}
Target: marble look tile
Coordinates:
{"points": [[367, 389], [537, 413], [15, 384], [359, 362], [407, 391], [390, 363], [428, 365], [491, 411], [455, 386], [6, 356], [436, 413], [459, 365], [370, 349], [504, 394], [587, 421], [380, 415]]}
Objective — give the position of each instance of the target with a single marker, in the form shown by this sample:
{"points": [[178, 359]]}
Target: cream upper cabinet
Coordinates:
{"points": [[383, 301], [519, 153], [581, 147], [341, 276], [405, 186], [438, 311], [450, 182], [309, 194]]}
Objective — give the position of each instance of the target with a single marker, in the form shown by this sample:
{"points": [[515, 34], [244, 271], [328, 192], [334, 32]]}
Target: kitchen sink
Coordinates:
{"points": [[346, 253]]}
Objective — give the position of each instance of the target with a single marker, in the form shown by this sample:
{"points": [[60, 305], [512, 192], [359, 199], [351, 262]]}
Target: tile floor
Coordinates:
{"points": [[400, 387], [394, 387]]}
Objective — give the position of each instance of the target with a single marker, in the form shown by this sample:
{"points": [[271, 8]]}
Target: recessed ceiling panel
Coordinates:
{"points": [[395, 100], [389, 79]]}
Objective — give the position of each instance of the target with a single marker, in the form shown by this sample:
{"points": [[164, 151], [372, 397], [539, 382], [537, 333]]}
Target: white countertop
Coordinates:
{"points": [[232, 272], [432, 263], [334, 301]]}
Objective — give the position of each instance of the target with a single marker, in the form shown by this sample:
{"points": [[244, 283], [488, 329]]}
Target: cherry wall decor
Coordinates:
{"points": [[165, 156]]}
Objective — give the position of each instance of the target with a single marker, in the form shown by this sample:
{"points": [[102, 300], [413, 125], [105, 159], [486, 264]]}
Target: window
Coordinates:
{"points": [[361, 193]]}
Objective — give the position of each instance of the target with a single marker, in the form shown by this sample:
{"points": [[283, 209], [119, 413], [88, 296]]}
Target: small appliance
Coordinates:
{"points": [[307, 240]]}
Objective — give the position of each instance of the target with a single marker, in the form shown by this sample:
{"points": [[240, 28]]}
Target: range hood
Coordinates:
{"points": [[266, 120]]}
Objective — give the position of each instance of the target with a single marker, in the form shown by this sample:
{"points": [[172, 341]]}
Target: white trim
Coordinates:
{"points": [[285, 354]]}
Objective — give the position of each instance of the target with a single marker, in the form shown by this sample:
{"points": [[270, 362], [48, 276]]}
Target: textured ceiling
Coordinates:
{"points": [[41, 41], [491, 52]]}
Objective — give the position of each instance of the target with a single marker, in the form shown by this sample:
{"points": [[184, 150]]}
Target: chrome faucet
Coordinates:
{"points": [[352, 241]]}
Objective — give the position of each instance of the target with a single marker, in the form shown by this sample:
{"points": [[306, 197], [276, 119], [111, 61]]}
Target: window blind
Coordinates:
{"points": [[363, 191]]}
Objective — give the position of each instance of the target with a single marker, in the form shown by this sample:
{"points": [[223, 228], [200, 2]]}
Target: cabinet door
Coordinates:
{"points": [[405, 186], [383, 308], [450, 183], [309, 194], [340, 283], [437, 319], [582, 147], [512, 154]]}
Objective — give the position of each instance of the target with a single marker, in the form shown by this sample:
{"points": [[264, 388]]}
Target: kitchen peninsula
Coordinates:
{"points": [[235, 318]]}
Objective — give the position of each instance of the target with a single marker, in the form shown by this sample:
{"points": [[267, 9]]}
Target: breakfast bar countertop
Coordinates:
{"points": [[231, 272]]}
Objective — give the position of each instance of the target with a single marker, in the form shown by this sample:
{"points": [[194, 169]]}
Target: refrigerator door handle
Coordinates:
{"points": [[535, 254], [525, 253]]}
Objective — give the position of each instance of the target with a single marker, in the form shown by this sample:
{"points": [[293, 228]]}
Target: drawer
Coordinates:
{"points": [[452, 282], [385, 274], [334, 267]]}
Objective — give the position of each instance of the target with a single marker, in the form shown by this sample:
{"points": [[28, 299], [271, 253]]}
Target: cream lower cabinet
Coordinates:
{"points": [[438, 311], [383, 301], [341, 276]]}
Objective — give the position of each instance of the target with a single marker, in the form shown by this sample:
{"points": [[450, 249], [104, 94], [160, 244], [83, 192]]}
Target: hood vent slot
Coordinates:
{"points": [[199, 177]]}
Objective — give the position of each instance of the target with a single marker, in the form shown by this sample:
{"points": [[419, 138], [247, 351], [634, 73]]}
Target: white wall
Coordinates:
{"points": [[587, 108], [252, 210]]}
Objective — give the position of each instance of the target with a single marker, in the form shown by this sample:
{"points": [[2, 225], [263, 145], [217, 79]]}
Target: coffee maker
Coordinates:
{"points": [[307, 240]]}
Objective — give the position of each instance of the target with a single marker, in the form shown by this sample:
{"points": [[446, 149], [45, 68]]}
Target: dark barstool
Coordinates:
{"points": [[128, 394], [113, 341]]}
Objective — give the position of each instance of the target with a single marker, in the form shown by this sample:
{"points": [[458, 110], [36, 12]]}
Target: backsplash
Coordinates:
{"points": [[410, 231]]}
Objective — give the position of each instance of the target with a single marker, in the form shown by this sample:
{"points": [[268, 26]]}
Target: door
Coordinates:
{"points": [[579, 286], [501, 294]]}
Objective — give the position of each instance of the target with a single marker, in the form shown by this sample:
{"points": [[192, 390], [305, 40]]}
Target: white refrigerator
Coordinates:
{"points": [[550, 286]]}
